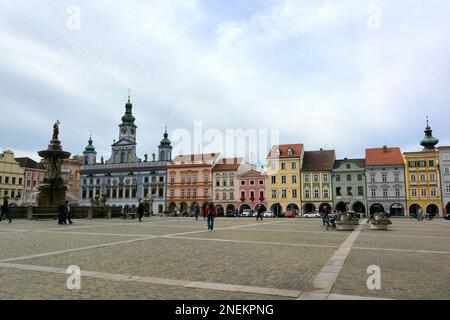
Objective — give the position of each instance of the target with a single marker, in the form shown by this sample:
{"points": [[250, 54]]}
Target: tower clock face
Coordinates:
{"points": [[124, 130]]}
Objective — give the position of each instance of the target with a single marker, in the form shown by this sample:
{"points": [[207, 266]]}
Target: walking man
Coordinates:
{"points": [[197, 212], [62, 213], [259, 214], [67, 211], [5, 210], [211, 215], [140, 209]]}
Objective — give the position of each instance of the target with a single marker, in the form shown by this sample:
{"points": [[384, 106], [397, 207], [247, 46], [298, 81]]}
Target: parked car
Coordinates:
{"points": [[247, 213], [269, 214], [230, 213], [312, 215], [447, 217], [290, 214]]}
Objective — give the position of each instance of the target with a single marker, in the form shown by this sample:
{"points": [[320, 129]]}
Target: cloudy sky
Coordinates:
{"points": [[345, 74]]}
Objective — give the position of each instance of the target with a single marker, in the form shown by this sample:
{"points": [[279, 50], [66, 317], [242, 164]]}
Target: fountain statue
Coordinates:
{"points": [[53, 191]]}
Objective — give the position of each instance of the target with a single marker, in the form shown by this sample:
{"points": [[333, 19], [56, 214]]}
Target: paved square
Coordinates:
{"points": [[178, 258]]}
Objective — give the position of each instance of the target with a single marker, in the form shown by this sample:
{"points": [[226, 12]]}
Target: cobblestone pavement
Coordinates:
{"points": [[178, 258]]}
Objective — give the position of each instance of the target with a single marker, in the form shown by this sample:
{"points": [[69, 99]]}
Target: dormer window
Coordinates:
{"points": [[290, 152], [278, 152]]}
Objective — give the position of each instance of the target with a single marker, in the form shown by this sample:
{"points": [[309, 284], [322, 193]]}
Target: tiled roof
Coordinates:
{"points": [[29, 163], [207, 158], [359, 162], [252, 173], [284, 151], [444, 148], [228, 164], [322, 160], [384, 157]]}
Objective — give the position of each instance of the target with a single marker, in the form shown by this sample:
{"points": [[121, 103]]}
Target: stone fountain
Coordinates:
{"points": [[53, 191]]}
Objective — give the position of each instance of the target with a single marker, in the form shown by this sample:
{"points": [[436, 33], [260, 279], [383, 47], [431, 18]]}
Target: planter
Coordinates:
{"points": [[378, 226], [346, 227], [345, 218]]}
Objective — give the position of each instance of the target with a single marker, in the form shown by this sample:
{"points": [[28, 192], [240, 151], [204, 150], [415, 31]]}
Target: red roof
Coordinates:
{"points": [[322, 160], [296, 149], [206, 158], [228, 164], [384, 157]]}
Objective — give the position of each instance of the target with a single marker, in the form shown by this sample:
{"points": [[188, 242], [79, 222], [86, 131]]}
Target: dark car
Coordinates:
{"points": [[230, 214], [447, 217]]}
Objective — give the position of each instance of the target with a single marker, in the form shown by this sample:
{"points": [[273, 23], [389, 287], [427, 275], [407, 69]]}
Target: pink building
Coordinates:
{"points": [[252, 190]]}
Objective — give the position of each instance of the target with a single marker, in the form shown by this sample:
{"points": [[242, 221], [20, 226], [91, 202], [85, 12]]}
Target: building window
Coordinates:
{"points": [[432, 177], [206, 192], [306, 178], [412, 164], [206, 178], [447, 189], [414, 192], [385, 193], [316, 178], [172, 179], [294, 178], [273, 167], [243, 183], [431, 163], [252, 182], [372, 177], [360, 177], [349, 191], [283, 179], [338, 191], [447, 170], [231, 196], [261, 182], [307, 194], [338, 178], [423, 177], [183, 179], [274, 194], [316, 194], [434, 193], [326, 194], [182, 193], [283, 166], [289, 152], [397, 177], [325, 177], [294, 165], [349, 166], [361, 191], [13, 182], [397, 193], [423, 192], [194, 193], [413, 177], [374, 193], [446, 156], [283, 194], [349, 177], [274, 180], [422, 164], [217, 196], [384, 177], [294, 193], [188, 193]]}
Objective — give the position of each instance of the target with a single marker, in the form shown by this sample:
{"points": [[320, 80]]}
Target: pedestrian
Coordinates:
{"points": [[67, 213], [197, 212], [5, 210], [140, 209], [205, 211], [211, 215], [62, 213], [259, 214]]}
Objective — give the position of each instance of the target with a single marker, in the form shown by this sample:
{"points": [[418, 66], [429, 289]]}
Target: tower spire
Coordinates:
{"points": [[429, 142], [129, 95]]}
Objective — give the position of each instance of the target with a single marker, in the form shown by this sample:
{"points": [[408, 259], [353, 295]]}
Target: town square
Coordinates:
{"points": [[255, 152]]}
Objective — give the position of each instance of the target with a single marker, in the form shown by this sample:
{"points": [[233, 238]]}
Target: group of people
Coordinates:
{"points": [[5, 210], [64, 213]]}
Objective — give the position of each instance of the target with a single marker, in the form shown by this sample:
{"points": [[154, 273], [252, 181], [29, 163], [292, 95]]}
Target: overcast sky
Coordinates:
{"points": [[337, 74]]}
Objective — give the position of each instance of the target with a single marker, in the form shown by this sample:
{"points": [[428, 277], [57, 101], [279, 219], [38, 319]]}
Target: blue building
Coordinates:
{"points": [[124, 177]]}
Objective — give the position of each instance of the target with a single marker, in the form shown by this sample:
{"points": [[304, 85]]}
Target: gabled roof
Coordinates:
{"points": [[29, 163], [359, 162], [228, 164], [296, 150], [252, 173], [384, 157], [190, 159], [322, 160]]}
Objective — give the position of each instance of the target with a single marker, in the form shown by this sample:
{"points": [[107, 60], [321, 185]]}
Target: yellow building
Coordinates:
{"points": [[422, 177], [70, 172], [11, 178], [284, 163]]}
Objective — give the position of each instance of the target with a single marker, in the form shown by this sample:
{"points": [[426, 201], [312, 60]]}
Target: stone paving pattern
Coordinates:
{"points": [[277, 253]]}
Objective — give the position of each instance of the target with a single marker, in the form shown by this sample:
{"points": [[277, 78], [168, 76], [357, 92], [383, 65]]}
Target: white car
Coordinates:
{"points": [[268, 214], [247, 213], [312, 215]]}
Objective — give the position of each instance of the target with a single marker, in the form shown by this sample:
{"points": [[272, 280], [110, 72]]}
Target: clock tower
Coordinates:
{"points": [[124, 150]]}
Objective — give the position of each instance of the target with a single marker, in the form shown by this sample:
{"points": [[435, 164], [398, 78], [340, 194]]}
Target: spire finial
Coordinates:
{"points": [[428, 121], [129, 95]]}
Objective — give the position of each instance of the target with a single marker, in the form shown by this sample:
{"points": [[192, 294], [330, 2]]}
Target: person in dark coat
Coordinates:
{"points": [[140, 209], [211, 215], [62, 213], [5, 210], [197, 212], [259, 214], [67, 212], [205, 211]]}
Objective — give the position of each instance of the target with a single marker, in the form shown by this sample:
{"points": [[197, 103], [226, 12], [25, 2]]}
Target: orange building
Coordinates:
{"points": [[190, 182]]}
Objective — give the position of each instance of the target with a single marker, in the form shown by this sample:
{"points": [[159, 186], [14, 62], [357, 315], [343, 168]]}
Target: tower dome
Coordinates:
{"points": [[429, 142]]}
